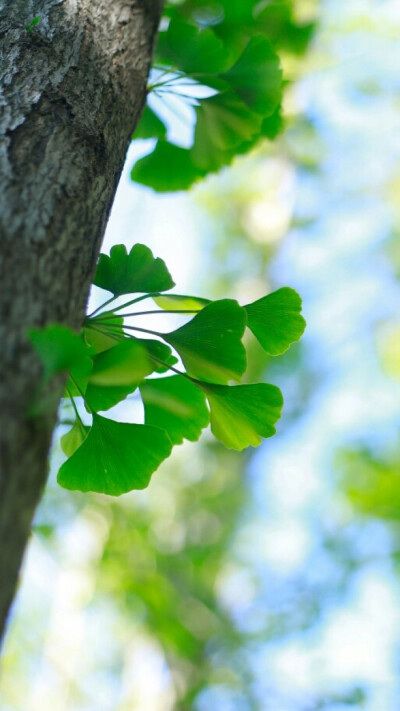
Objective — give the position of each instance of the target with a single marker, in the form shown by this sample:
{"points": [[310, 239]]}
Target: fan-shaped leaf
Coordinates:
{"points": [[241, 415], [127, 363], [115, 457], [103, 334], [159, 354], [223, 123], [60, 349], [138, 271], [210, 344], [167, 168], [256, 77], [150, 125], [175, 405], [276, 320], [191, 50], [179, 302], [74, 438]]}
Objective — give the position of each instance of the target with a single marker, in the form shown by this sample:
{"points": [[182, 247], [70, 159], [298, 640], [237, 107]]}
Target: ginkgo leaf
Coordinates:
{"points": [[60, 349], [242, 415], [256, 76], [180, 302], [175, 405], [104, 331], [74, 437], [150, 125], [138, 271], [167, 169], [99, 398], [210, 344], [191, 50], [223, 123], [159, 354], [276, 320], [127, 363], [115, 457]]}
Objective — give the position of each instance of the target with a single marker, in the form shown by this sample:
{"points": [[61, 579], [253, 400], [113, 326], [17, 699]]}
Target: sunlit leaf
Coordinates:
{"points": [[191, 50], [256, 77], [276, 320], [99, 398], [167, 168], [210, 344], [60, 349], [74, 438], [138, 271], [179, 302], [175, 405], [115, 457], [242, 415], [159, 354], [150, 125], [127, 363], [101, 336]]}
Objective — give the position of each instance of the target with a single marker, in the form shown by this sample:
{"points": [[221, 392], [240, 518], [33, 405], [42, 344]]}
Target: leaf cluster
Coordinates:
{"points": [[184, 376]]}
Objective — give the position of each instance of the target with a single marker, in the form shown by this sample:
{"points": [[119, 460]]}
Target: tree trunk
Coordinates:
{"points": [[72, 87]]}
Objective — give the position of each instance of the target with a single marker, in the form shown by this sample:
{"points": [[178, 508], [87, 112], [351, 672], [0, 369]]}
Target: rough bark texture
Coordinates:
{"points": [[71, 92]]}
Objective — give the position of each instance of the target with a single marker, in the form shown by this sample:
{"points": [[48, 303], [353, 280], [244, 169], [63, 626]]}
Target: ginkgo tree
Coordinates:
{"points": [[75, 80]]}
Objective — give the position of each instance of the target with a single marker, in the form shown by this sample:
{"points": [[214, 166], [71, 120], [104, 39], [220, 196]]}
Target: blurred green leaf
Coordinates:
{"points": [[175, 405], [150, 125], [241, 415], [192, 50], [210, 344], [167, 168], [138, 271], [256, 77], [115, 458], [60, 349], [74, 437], [127, 363], [276, 320], [223, 123]]}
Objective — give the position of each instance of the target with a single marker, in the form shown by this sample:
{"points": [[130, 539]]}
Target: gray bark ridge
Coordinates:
{"points": [[72, 87]]}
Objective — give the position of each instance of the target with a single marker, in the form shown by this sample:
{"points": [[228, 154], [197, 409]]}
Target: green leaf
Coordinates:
{"points": [[241, 415], [159, 354], [179, 302], [167, 168], [223, 123], [150, 125], [95, 333], [191, 50], [115, 457], [138, 271], [210, 344], [60, 349], [125, 364], [74, 438], [256, 77], [175, 405], [272, 125], [99, 398], [276, 320]]}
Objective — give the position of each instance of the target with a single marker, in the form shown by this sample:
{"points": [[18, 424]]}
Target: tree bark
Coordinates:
{"points": [[72, 88]]}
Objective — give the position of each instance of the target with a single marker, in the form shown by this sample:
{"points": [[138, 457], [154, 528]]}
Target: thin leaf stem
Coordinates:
{"points": [[77, 415], [81, 394], [136, 301], [155, 311], [101, 307]]}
